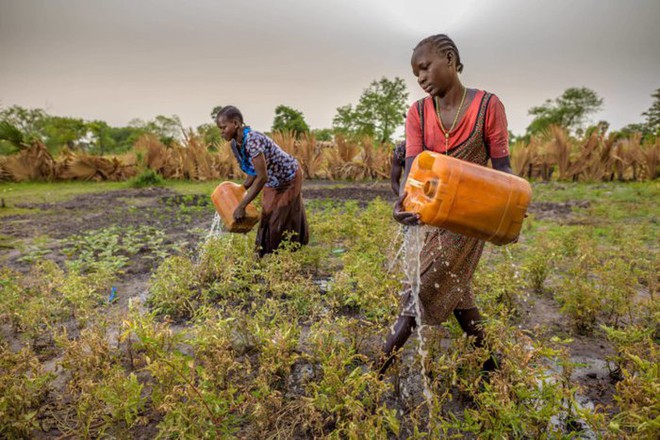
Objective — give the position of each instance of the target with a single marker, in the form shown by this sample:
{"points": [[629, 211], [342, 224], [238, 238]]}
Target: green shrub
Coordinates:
{"points": [[580, 300], [174, 290], [23, 388], [638, 366], [148, 177], [537, 265]]}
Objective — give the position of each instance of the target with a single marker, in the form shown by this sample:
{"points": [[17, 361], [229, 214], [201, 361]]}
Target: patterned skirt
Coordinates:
{"points": [[447, 263]]}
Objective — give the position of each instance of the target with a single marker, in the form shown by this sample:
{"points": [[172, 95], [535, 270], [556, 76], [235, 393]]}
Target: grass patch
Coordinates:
{"points": [[52, 192]]}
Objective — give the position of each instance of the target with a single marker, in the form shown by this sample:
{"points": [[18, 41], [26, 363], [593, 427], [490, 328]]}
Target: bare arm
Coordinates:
{"points": [[400, 215], [406, 170], [249, 180], [257, 185], [395, 175]]}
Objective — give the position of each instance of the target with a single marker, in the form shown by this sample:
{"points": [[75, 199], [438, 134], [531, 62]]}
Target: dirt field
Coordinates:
{"points": [[161, 208], [184, 222]]}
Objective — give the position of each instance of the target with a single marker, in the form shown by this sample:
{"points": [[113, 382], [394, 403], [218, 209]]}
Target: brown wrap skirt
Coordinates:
{"points": [[283, 216]]}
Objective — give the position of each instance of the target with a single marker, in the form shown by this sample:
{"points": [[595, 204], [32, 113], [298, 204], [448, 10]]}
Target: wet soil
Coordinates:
{"points": [[363, 193], [541, 315]]}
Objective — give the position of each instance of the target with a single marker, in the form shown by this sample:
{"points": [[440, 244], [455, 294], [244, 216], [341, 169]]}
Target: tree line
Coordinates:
{"points": [[379, 112]]}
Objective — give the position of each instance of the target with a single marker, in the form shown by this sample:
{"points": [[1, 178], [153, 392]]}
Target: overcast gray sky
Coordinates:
{"points": [[124, 59]]}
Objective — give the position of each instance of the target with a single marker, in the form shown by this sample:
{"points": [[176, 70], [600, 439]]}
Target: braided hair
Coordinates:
{"points": [[443, 44], [230, 112]]}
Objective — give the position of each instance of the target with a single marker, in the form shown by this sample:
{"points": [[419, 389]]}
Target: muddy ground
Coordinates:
{"points": [[185, 220]]}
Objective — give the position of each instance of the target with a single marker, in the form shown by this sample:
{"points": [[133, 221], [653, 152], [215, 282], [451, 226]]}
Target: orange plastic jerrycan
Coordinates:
{"points": [[467, 198], [226, 198]]}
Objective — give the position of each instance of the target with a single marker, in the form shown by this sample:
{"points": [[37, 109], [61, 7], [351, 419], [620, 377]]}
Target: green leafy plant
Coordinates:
{"points": [[638, 368], [175, 289], [24, 387], [148, 177], [110, 249]]}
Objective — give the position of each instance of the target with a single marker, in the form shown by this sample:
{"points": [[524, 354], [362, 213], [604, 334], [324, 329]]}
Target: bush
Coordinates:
{"points": [[147, 178], [174, 288]]}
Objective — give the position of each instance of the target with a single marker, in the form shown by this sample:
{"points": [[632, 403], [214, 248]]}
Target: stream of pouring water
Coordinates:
{"points": [[412, 244], [215, 231], [216, 228]]}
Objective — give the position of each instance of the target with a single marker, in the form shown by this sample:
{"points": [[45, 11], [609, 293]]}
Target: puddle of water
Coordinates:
{"points": [[551, 376]]}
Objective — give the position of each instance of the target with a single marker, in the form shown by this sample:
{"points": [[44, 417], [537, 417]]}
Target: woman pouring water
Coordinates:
{"points": [[271, 169], [467, 124]]}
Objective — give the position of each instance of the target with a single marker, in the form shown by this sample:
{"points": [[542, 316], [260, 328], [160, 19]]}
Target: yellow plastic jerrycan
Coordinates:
{"points": [[226, 198], [467, 198]]}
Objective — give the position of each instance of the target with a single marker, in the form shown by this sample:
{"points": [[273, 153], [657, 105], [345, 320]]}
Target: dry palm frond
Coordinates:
{"points": [[196, 152], [174, 166], [624, 156], [81, 166], [333, 163], [285, 140], [347, 149], [153, 151], [32, 163], [20, 170], [352, 171], [525, 158], [38, 153], [367, 162], [651, 155], [125, 167], [309, 155], [589, 165], [4, 173], [225, 163], [608, 156], [189, 167], [560, 151], [520, 157], [375, 160], [339, 160], [614, 157], [175, 162]]}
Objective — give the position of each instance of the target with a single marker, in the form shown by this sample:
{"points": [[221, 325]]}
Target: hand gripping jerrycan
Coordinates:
{"points": [[226, 198], [467, 198]]}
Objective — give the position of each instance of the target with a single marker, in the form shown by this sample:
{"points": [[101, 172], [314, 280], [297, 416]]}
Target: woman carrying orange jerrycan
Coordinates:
{"points": [[271, 169], [467, 124]]}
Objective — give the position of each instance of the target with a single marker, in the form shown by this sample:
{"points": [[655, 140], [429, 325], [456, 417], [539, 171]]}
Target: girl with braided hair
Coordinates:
{"points": [[271, 169], [468, 124]]}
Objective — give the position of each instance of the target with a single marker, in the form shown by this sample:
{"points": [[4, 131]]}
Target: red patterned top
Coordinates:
{"points": [[496, 134]]}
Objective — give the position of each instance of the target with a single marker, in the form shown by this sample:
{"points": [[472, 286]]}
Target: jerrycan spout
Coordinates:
{"points": [[431, 187]]}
